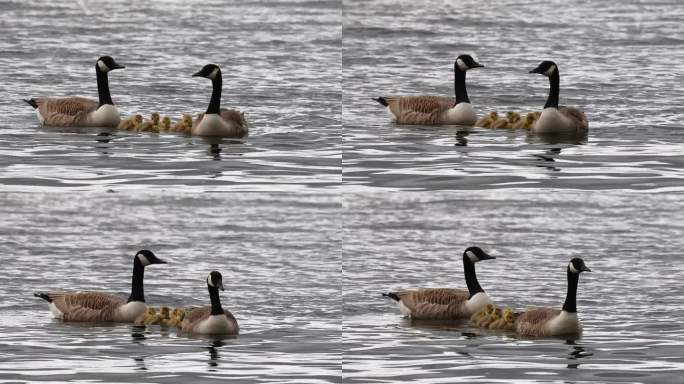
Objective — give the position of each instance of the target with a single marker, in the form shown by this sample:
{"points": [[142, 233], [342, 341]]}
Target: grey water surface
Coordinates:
{"points": [[630, 304], [281, 64], [278, 253], [620, 62]]}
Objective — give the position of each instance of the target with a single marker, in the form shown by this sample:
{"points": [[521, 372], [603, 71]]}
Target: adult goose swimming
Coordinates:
{"points": [[555, 119], [81, 111], [446, 303], [436, 110], [217, 121], [541, 322], [103, 307], [211, 320]]}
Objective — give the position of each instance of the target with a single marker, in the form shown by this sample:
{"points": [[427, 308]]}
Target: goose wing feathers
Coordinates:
{"points": [[576, 116], [434, 303], [65, 111], [533, 322], [424, 104], [196, 315], [86, 306]]}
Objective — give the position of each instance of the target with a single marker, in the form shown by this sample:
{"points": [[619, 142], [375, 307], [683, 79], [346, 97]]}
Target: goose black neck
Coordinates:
{"points": [[470, 277], [103, 87], [570, 304], [554, 81], [460, 87], [216, 308], [215, 102], [137, 291]]}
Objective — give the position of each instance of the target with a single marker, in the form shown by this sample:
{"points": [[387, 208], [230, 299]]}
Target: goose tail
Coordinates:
{"points": [[43, 296], [381, 100], [392, 296], [31, 102]]}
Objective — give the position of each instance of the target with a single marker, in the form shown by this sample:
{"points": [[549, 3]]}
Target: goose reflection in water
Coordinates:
{"points": [[549, 158], [578, 352], [461, 139], [213, 353]]}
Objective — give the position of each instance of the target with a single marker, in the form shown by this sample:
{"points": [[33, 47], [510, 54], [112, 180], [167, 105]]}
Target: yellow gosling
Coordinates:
{"points": [[145, 316], [513, 117], [501, 122], [492, 318], [487, 120], [477, 316], [165, 124], [487, 316]]}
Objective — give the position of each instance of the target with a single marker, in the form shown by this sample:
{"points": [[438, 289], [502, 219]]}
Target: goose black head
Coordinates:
{"points": [[209, 71], [466, 62], [576, 265], [146, 257], [215, 280], [476, 254], [106, 64], [546, 68]]}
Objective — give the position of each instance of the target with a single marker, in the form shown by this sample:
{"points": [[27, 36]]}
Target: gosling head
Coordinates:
{"points": [[530, 117], [466, 62], [164, 311], [105, 64], [512, 117], [154, 116], [146, 257], [209, 71], [150, 311], [577, 266], [475, 254], [187, 119], [215, 280], [166, 122], [138, 119], [546, 68], [493, 115]]}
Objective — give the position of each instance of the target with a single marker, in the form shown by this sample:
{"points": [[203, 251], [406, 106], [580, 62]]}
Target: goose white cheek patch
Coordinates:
{"points": [[472, 256], [213, 74], [572, 268], [461, 65], [209, 282], [103, 67], [143, 260], [550, 70]]}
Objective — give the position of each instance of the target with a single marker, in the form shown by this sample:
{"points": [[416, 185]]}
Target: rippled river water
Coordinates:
{"points": [[630, 303], [619, 62], [281, 65], [326, 204], [279, 256]]}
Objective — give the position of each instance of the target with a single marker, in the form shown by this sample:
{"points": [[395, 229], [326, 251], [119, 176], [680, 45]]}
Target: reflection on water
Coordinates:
{"points": [[398, 240]]}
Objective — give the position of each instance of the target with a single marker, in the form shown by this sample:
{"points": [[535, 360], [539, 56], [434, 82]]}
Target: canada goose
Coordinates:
{"points": [[553, 322], [215, 121], [211, 319], [96, 306], [436, 110], [176, 317], [526, 123], [487, 120], [485, 311], [131, 123], [493, 317], [446, 303], [150, 125], [556, 119], [165, 124], [501, 122], [146, 317], [80, 111], [505, 319]]}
